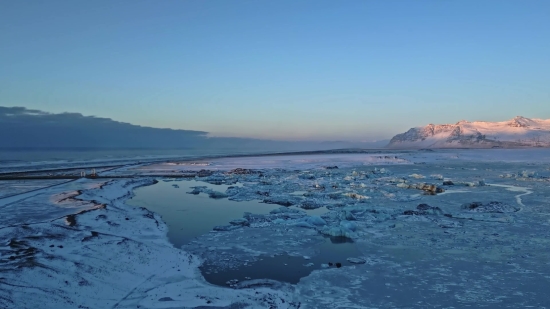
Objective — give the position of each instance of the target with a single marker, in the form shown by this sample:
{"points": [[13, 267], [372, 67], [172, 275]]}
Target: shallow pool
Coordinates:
{"points": [[189, 215]]}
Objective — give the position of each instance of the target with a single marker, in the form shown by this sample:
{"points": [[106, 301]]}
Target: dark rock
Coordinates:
{"points": [[331, 167], [423, 207], [431, 188], [473, 205], [491, 207], [282, 202], [338, 265], [204, 173], [424, 210], [242, 171], [166, 299], [429, 210], [225, 228], [448, 183]]}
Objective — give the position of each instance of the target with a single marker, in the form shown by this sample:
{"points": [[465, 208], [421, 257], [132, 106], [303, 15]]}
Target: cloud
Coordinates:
{"points": [[21, 127], [28, 128]]}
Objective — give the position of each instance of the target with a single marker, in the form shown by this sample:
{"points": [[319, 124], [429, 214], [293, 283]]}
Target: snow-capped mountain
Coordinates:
{"points": [[518, 132]]}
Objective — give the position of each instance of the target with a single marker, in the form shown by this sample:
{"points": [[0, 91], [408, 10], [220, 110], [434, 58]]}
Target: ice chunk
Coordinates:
{"points": [[356, 260], [303, 224], [217, 195], [346, 215], [478, 183], [315, 220], [356, 196], [338, 231], [348, 225], [310, 204], [528, 174], [197, 190]]}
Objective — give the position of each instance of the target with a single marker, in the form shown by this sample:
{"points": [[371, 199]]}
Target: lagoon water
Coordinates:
{"points": [[188, 216]]}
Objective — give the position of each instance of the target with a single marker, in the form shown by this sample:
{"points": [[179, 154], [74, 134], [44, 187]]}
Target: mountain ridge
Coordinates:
{"points": [[517, 132]]}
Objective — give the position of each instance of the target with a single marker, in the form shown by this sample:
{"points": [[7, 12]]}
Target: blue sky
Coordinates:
{"points": [[312, 70]]}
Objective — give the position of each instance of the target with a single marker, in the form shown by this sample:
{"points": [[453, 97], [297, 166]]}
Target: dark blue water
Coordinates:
{"points": [[189, 216], [100, 154]]}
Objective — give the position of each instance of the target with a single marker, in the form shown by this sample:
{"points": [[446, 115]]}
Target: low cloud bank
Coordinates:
{"points": [[27, 128]]}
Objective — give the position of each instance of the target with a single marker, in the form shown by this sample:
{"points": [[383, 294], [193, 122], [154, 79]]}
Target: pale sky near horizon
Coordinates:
{"points": [[312, 70]]}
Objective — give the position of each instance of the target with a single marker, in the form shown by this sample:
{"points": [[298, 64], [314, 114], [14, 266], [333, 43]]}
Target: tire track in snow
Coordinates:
{"points": [[525, 191]]}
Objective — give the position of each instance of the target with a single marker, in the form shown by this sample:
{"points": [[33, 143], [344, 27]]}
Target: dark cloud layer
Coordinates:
{"points": [[21, 127], [27, 128]]}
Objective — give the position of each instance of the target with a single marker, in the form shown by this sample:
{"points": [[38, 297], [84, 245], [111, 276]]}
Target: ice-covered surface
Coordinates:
{"points": [[297, 161], [481, 243], [46, 204], [14, 187], [113, 257]]}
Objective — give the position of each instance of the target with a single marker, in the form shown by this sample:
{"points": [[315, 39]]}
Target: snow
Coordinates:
{"points": [[518, 132], [447, 250], [115, 257], [281, 161]]}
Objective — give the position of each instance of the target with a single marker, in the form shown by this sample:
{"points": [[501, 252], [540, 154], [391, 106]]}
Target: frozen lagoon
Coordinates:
{"points": [[189, 214], [483, 243]]}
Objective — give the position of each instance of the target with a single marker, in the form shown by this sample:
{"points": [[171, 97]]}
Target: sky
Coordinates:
{"points": [[288, 70]]}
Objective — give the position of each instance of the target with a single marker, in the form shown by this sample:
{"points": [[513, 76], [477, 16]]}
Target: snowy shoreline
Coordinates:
{"points": [[113, 257]]}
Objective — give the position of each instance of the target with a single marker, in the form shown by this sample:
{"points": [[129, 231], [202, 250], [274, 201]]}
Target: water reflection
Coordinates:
{"points": [[189, 215], [285, 268]]}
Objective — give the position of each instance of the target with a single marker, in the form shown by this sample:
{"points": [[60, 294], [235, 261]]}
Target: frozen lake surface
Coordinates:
{"points": [[411, 229], [190, 215]]}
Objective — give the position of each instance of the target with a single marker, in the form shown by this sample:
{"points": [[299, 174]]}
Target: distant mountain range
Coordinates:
{"points": [[515, 133]]}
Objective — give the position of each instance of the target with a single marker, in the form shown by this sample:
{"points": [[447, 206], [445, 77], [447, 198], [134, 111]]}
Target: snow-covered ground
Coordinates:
{"points": [[278, 161], [112, 257], [441, 229]]}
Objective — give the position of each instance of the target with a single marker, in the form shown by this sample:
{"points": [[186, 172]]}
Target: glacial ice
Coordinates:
{"points": [[454, 250]]}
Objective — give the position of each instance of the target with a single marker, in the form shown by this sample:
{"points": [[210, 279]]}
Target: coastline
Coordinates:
{"points": [[113, 257]]}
